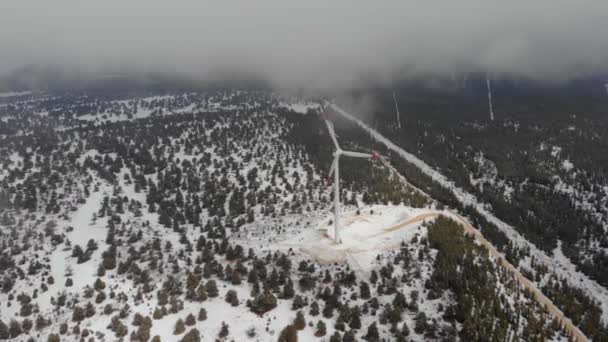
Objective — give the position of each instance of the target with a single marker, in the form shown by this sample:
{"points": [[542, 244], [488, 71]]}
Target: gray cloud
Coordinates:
{"points": [[314, 42]]}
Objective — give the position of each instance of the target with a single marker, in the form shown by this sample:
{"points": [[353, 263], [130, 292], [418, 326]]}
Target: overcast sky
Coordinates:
{"points": [[308, 41]]}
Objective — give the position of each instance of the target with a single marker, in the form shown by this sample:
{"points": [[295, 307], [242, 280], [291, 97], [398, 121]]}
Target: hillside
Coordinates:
{"points": [[205, 215]]}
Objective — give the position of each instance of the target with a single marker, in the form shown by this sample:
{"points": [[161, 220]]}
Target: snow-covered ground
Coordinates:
{"points": [[363, 235]]}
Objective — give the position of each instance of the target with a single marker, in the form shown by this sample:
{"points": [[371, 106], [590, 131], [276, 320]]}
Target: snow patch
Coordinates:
{"points": [[300, 107], [567, 165], [15, 93]]}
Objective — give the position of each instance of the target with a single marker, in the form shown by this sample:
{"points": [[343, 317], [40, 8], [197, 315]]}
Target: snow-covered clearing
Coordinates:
{"points": [[364, 235], [300, 107], [84, 229], [567, 165]]}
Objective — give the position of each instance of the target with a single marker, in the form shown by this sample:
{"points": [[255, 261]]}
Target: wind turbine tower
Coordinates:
{"points": [[397, 110], [335, 169], [490, 106]]}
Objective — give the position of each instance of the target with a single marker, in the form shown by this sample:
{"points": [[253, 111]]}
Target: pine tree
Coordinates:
{"points": [[180, 327], [157, 313], [364, 290], [374, 277], [77, 251], [340, 323], [4, 333], [232, 298], [201, 293], [211, 288], [192, 336], [288, 291], [336, 337], [190, 320], [288, 334], [78, 314], [41, 323], [405, 330], [99, 284], [14, 328], [372, 333], [26, 325], [314, 309], [90, 310], [235, 278], [321, 329], [355, 320], [224, 330], [263, 303], [349, 336], [298, 303], [202, 314], [328, 310], [137, 319], [300, 322], [255, 289]]}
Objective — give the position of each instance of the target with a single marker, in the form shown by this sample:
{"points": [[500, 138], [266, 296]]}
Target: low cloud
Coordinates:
{"points": [[309, 43]]}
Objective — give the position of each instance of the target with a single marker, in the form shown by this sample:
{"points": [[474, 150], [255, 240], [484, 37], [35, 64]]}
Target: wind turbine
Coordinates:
{"points": [[490, 106], [397, 110], [335, 168]]}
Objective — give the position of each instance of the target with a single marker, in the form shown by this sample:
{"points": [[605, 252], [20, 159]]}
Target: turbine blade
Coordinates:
{"points": [[357, 154], [332, 168], [332, 133]]}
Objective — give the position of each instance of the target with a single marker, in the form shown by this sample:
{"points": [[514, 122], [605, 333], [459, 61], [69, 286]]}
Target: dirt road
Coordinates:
{"points": [[575, 333]]}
